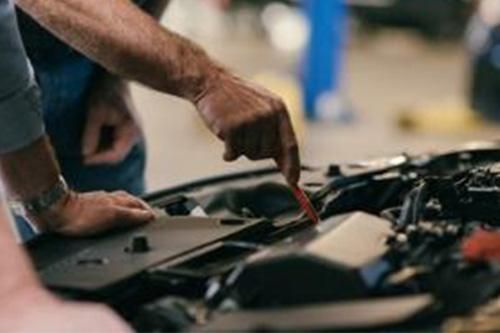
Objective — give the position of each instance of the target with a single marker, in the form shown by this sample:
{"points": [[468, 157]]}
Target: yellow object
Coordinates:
{"points": [[443, 117], [288, 88]]}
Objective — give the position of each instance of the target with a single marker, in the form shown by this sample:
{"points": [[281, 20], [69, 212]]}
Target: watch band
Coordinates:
{"points": [[42, 202]]}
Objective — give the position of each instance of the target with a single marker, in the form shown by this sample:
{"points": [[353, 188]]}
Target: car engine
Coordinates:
{"points": [[409, 242]]}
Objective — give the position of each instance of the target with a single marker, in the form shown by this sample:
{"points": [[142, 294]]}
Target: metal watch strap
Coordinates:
{"points": [[42, 202]]}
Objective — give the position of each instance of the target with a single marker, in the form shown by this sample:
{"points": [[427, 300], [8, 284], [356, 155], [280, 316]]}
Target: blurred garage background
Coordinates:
{"points": [[362, 78]]}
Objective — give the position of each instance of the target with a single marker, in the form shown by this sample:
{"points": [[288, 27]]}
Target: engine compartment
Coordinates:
{"points": [[235, 253]]}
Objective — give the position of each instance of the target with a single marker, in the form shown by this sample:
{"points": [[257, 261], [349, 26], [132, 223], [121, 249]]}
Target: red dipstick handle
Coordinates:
{"points": [[305, 204]]}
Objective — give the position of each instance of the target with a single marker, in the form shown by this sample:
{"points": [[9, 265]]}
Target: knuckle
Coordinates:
{"points": [[256, 119], [107, 201], [277, 104], [280, 105], [282, 111], [113, 215], [285, 116], [265, 116], [239, 122], [221, 129], [114, 199], [291, 147]]}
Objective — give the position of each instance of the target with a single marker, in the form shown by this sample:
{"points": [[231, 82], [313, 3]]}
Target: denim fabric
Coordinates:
{"points": [[65, 78]]}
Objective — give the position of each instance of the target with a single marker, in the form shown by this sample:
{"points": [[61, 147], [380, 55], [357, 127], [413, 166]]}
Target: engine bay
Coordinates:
{"points": [[405, 243]]}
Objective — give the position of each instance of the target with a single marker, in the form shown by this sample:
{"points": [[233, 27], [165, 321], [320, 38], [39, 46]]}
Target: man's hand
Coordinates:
{"points": [[252, 122], [86, 214], [112, 128], [27, 307]]}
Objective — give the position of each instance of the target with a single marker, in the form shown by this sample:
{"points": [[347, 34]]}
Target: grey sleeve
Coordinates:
{"points": [[21, 121]]}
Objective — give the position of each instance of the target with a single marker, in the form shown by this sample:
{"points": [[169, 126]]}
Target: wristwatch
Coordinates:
{"points": [[42, 202]]}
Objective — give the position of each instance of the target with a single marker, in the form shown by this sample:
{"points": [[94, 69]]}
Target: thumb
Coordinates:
{"points": [[91, 135]]}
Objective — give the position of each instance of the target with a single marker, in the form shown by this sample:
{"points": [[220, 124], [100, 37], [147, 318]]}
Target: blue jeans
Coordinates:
{"points": [[65, 78], [65, 90]]}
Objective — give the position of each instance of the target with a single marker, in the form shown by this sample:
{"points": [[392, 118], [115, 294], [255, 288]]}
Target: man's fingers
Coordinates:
{"points": [[124, 141], [111, 156], [270, 143], [250, 137], [131, 201], [91, 135], [291, 165], [232, 152], [131, 216], [260, 140], [288, 158], [258, 119]]}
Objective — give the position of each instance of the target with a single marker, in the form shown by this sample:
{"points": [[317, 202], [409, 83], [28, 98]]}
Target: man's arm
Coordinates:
{"points": [[27, 164], [119, 36], [110, 106], [127, 42], [19, 288], [28, 307], [21, 125]]}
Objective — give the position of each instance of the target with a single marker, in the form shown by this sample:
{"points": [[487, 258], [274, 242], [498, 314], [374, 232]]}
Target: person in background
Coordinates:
{"points": [[29, 172]]}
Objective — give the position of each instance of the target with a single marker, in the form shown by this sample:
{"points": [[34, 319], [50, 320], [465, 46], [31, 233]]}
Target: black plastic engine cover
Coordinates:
{"points": [[89, 265], [340, 262]]}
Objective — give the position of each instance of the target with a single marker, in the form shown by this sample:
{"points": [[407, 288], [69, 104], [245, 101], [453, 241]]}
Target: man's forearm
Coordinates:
{"points": [[29, 171], [128, 42], [250, 120], [155, 8], [27, 165]]}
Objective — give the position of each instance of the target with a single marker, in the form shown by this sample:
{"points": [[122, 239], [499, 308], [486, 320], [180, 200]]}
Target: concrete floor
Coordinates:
{"points": [[384, 73]]}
